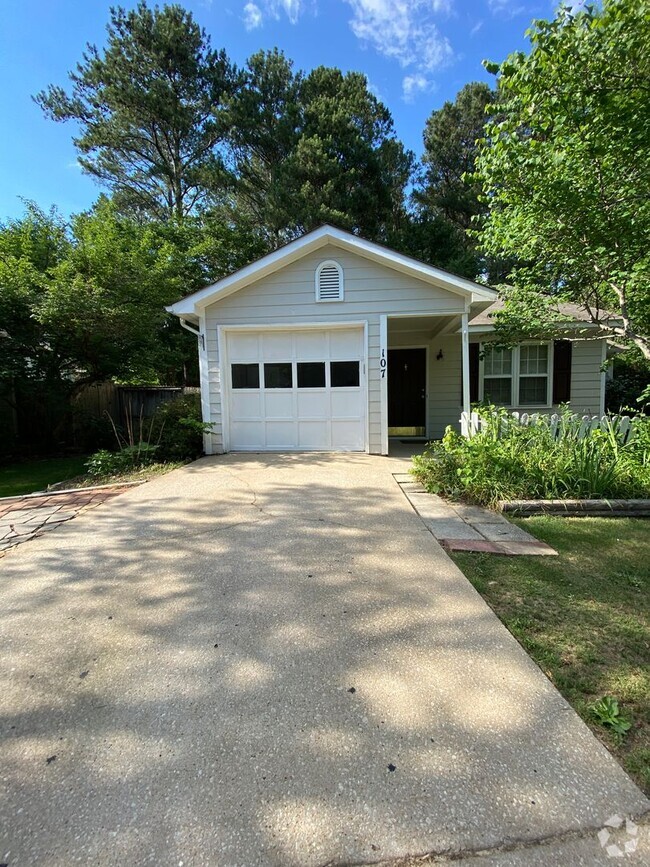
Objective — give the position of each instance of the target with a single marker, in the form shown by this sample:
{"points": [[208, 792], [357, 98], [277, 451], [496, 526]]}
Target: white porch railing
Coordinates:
{"points": [[572, 426]]}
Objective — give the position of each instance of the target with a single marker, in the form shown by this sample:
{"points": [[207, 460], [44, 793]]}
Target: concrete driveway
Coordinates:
{"points": [[269, 660]]}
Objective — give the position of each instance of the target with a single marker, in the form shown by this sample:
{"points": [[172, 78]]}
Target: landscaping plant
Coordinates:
{"points": [[507, 460]]}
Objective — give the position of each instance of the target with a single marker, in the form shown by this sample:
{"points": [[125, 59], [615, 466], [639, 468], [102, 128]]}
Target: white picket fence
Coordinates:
{"points": [[572, 426]]}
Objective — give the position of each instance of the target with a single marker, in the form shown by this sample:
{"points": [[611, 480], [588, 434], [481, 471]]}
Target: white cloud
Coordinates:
{"points": [[255, 14], [252, 16], [404, 30], [505, 8], [414, 84], [476, 28]]}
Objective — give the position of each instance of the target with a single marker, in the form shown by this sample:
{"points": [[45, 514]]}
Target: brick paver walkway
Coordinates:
{"points": [[25, 518]]}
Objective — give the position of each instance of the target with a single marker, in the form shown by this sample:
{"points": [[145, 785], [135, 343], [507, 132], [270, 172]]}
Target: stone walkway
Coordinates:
{"points": [[459, 527], [25, 518]]}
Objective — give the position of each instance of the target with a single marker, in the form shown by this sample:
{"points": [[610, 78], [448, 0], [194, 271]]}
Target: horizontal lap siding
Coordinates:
{"points": [[288, 298]]}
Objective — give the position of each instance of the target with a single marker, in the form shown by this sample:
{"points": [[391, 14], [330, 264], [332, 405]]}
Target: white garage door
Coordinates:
{"points": [[298, 389]]}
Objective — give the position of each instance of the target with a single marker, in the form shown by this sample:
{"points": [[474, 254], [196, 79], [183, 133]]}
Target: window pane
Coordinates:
{"points": [[311, 374], [278, 375], [497, 361], [497, 390], [532, 390], [344, 374], [245, 375], [533, 359]]}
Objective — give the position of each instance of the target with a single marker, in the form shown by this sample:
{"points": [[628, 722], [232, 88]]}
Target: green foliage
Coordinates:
{"points": [[565, 169], [314, 148], [82, 302], [178, 429], [630, 384], [447, 193], [511, 461], [128, 458], [149, 110], [608, 713]]}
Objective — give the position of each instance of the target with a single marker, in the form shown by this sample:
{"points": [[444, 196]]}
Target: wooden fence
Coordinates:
{"points": [[567, 426]]}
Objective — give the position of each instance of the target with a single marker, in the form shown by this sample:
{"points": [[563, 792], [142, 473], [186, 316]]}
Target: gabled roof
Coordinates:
{"points": [[294, 250]]}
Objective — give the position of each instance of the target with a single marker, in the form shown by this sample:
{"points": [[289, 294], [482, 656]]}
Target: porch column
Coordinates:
{"points": [[464, 332]]}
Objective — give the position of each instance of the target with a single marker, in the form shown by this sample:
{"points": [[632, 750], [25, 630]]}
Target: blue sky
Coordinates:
{"points": [[415, 53]]}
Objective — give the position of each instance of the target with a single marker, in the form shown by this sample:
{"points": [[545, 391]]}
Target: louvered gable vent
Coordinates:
{"points": [[329, 282]]}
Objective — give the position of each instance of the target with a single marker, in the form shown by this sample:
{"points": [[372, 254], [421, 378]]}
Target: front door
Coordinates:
{"points": [[407, 392]]}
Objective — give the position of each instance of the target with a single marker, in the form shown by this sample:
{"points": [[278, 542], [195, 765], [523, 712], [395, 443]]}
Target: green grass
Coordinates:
{"points": [[26, 477], [584, 617]]}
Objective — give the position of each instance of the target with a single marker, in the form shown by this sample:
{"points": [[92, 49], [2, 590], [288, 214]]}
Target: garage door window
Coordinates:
{"points": [[344, 374], [278, 375], [245, 375], [311, 374]]}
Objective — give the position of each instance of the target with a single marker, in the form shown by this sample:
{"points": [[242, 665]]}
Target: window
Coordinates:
{"points": [[311, 374], [533, 374], [517, 377], [344, 374], [329, 281], [497, 375], [245, 375], [278, 375]]}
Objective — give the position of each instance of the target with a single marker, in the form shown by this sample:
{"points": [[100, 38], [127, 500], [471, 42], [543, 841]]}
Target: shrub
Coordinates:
{"points": [[105, 463], [178, 430], [506, 461]]}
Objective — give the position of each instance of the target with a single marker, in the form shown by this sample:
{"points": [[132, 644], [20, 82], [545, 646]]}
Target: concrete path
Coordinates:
{"points": [[269, 660], [461, 527]]}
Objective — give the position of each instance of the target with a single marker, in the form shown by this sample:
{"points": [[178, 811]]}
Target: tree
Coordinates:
{"points": [[314, 148], [446, 197], [565, 170], [149, 107]]}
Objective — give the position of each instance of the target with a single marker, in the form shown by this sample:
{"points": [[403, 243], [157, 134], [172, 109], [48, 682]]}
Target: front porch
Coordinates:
{"points": [[427, 378]]}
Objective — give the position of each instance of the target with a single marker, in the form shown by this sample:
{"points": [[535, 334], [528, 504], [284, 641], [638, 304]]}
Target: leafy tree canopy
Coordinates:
{"points": [[565, 169], [313, 148], [149, 108]]}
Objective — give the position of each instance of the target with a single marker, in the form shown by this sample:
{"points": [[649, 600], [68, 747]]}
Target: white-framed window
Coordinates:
{"points": [[520, 376], [329, 281]]}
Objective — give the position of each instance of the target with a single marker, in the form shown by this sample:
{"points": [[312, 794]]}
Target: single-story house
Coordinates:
{"points": [[334, 343]]}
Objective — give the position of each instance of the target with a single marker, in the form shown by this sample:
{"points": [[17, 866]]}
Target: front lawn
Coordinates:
{"points": [[584, 617], [26, 477]]}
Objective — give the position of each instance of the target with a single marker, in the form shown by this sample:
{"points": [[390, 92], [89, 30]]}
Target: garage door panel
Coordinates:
{"points": [[313, 435], [276, 346], [311, 345], [243, 347], [313, 404], [247, 434], [345, 404], [346, 344], [246, 405], [278, 404], [346, 435], [280, 435]]}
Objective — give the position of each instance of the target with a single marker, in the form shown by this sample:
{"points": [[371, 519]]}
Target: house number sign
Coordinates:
{"points": [[383, 364]]}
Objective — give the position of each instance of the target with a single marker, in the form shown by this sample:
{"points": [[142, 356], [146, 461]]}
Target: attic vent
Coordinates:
{"points": [[329, 282]]}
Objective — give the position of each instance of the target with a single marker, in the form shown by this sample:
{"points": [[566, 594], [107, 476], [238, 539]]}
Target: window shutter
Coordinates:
{"points": [[329, 282], [474, 349], [562, 351]]}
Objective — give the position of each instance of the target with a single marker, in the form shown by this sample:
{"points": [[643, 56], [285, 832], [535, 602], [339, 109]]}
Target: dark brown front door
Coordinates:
{"points": [[407, 386]]}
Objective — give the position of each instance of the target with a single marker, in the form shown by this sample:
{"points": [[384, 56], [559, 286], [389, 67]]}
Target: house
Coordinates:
{"points": [[335, 343]]}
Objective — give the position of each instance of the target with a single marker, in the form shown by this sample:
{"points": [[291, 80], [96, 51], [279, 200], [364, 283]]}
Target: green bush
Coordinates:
{"points": [[178, 430], [105, 463], [506, 461]]}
